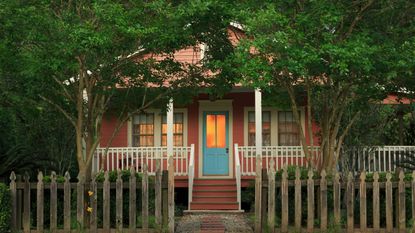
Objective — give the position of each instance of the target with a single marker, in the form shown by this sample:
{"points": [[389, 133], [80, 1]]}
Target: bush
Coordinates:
{"points": [[5, 208]]}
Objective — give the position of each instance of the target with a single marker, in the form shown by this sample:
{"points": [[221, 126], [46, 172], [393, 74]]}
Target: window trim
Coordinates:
{"points": [[157, 126], [274, 122]]}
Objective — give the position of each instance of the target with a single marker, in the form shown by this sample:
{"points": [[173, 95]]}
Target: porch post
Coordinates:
{"points": [[170, 166], [258, 162]]}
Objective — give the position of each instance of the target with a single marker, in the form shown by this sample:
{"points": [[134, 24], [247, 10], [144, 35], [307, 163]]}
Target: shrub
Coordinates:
{"points": [[5, 208]]}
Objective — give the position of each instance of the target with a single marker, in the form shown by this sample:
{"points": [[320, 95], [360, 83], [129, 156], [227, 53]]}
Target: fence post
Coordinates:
{"points": [[284, 201], [133, 200], [26, 204], [165, 197], [310, 202], [118, 202], [297, 199], [350, 203], [264, 197], [323, 201], [171, 194], [271, 197], [258, 189], [106, 202], [389, 206], [363, 214], [80, 190], [67, 203], [94, 207], [413, 197], [19, 204], [401, 213], [157, 191], [145, 198], [336, 198], [53, 202], [13, 197], [40, 201], [376, 204]]}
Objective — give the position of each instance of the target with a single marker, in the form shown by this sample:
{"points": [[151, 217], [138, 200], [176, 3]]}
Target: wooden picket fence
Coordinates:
{"points": [[87, 204], [342, 187]]}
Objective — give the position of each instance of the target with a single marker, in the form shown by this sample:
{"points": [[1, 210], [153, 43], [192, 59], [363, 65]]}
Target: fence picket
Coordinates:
{"points": [[40, 201], [53, 203], [106, 202], [350, 203], [376, 204], [133, 200], [157, 191], [67, 203], [26, 204], [284, 201], [297, 199], [271, 196], [323, 201], [310, 202], [145, 198], [13, 199], [363, 215], [118, 202], [401, 205], [389, 206], [93, 202], [336, 198]]}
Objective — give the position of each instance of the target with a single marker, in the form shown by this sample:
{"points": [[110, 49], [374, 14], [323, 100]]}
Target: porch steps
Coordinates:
{"points": [[214, 194]]}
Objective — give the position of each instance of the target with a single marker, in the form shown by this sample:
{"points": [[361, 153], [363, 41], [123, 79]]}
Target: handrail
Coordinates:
{"points": [[238, 175], [191, 173]]}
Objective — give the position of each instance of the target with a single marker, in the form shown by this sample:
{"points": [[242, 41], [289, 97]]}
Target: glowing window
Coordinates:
{"points": [[215, 131]]}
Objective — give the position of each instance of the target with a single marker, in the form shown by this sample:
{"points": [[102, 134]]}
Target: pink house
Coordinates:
{"points": [[213, 142]]}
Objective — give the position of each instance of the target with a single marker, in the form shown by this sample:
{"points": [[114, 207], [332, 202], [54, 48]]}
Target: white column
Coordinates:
{"points": [[170, 128], [258, 122], [258, 160]]}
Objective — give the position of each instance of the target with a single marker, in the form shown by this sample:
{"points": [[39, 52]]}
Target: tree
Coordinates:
{"points": [[338, 54], [89, 57]]}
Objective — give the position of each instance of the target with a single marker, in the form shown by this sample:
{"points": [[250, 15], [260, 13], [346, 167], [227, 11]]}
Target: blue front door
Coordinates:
{"points": [[215, 143]]}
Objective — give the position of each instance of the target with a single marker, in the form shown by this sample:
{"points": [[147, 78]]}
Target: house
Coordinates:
{"points": [[214, 142]]}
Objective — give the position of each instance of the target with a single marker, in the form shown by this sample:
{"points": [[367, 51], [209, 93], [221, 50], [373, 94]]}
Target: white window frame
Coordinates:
{"points": [[157, 126], [274, 122]]}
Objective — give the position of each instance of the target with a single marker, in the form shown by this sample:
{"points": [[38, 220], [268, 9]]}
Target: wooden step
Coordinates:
{"points": [[214, 205], [213, 199], [214, 193], [215, 181], [201, 187]]}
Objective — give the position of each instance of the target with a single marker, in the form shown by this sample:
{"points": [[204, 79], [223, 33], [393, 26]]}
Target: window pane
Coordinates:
{"points": [[251, 116], [266, 128], [210, 131], [220, 131], [288, 129]]}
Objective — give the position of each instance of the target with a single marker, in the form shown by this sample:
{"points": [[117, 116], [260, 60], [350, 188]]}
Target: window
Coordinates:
{"points": [[288, 129], [266, 128], [215, 131], [143, 130], [177, 130]]}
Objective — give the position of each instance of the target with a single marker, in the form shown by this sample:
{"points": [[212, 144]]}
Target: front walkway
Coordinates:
{"points": [[213, 223]]}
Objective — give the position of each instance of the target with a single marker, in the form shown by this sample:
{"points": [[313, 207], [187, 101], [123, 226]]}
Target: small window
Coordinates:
{"points": [[288, 129], [143, 130], [266, 128], [177, 130]]}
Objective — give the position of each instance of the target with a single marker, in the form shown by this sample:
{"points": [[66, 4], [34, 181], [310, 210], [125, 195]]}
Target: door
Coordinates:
{"points": [[215, 143]]}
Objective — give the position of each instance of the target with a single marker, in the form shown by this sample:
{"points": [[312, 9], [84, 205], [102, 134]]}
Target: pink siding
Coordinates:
{"points": [[108, 126]]}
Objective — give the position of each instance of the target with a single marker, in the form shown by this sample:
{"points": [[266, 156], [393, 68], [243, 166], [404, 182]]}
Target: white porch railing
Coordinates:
{"points": [[238, 175], [121, 158], [377, 158], [191, 174], [282, 155]]}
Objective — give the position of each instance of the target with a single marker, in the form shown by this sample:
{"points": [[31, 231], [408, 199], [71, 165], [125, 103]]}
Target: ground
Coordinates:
{"points": [[214, 223]]}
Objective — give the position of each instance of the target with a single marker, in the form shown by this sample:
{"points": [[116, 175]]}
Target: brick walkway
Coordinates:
{"points": [[213, 223]]}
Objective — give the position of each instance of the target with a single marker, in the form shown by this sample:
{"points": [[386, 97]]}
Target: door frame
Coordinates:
{"points": [[216, 106], [204, 131]]}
